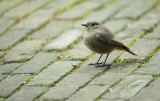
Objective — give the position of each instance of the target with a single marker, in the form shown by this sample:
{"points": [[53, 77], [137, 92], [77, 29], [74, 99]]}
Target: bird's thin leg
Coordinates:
{"points": [[103, 62], [105, 59], [97, 61]]}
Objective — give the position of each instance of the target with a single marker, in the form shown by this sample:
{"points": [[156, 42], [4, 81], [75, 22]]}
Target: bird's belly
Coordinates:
{"points": [[97, 46]]}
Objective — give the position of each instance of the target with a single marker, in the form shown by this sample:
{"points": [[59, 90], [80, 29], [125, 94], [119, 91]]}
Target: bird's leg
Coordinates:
{"points": [[97, 61], [103, 62]]}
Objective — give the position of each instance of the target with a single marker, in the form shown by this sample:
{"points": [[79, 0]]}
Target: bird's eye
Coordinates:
{"points": [[93, 24]]}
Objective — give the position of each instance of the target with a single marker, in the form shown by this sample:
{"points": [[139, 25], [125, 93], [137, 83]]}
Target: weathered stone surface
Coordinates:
{"points": [[129, 87], [37, 63], [67, 86], [135, 9], [91, 69], [116, 25], [5, 23], [107, 79], [6, 69], [150, 93], [53, 73], [88, 93], [79, 10], [11, 37], [1, 53], [11, 83], [152, 67], [35, 20], [111, 100], [7, 4], [100, 15], [80, 51], [154, 34], [24, 50], [27, 94], [25, 8], [58, 93], [53, 29], [141, 49], [65, 39]]}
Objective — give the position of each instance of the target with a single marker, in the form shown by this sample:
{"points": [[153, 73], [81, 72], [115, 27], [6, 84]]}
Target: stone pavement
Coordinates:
{"points": [[42, 55]]}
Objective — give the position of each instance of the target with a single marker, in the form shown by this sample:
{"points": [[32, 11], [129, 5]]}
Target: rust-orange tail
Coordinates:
{"points": [[129, 51]]}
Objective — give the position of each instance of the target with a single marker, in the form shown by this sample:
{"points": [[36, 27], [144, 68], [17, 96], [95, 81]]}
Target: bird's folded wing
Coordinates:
{"points": [[105, 37]]}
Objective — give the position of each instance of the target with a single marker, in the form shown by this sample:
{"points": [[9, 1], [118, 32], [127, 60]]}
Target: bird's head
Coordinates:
{"points": [[92, 25]]}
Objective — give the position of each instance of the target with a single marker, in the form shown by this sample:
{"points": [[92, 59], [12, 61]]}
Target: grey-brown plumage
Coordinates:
{"points": [[100, 40]]}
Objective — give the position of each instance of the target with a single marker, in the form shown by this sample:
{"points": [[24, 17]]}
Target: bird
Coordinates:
{"points": [[101, 40]]}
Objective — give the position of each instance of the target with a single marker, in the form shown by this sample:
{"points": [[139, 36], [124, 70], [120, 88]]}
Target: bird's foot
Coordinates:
{"points": [[102, 65], [95, 63]]}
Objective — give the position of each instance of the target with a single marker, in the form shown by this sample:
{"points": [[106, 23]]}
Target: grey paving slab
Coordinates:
{"points": [[38, 62], [77, 11], [80, 51], [154, 34], [53, 72], [27, 94], [67, 86], [24, 50], [141, 49], [5, 23], [25, 8], [88, 93], [8, 4], [116, 25], [129, 87], [35, 20], [152, 67], [64, 40], [11, 37], [150, 93], [135, 9], [8, 85], [53, 29], [100, 16]]}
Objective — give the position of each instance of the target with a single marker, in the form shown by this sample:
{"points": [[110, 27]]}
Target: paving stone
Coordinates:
{"points": [[60, 4], [116, 25], [149, 93], [80, 51], [141, 49], [111, 100], [152, 67], [72, 13], [9, 84], [58, 93], [88, 93], [25, 8], [5, 23], [91, 69], [35, 20], [27, 93], [65, 39], [7, 4], [107, 79], [1, 53], [11, 37], [135, 9], [53, 29], [52, 73], [117, 71], [154, 34], [129, 87], [100, 16], [8, 68], [67, 86], [24, 50], [37, 63]]}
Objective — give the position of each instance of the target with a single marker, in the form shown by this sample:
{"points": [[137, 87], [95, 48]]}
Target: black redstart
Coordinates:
{"points": [[100, 40]]}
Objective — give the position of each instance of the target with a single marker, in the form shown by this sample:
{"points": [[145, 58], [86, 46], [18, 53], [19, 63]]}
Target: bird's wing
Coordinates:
{"points": [[105, 35]]}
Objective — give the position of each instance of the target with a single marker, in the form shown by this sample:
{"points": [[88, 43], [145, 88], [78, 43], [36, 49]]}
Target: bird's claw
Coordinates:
{"points": [[102, 65], [95, 63]]}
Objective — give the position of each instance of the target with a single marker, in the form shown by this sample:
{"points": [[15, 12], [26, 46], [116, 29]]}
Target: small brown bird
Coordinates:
{"points": [[100, 40]]}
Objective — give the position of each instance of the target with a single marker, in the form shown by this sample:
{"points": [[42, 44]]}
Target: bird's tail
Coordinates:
{"points": [[129, 51]]}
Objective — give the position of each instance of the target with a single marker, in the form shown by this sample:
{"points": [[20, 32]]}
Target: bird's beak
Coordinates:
{"points": [[84, 25]]}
